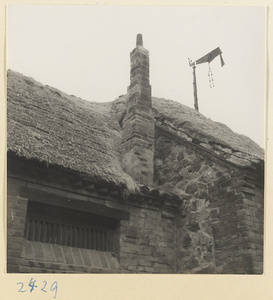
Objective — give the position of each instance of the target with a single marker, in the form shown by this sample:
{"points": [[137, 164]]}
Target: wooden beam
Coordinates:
{"points": [[86, 206]]}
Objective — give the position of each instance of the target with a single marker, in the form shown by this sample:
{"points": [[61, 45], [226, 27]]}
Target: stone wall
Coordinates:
{"points": [[148, 242], [16, 215], [147, 238], [220, 225], [195, 244], [218, 228], [39, 257], [237, 223], [181, 169]]}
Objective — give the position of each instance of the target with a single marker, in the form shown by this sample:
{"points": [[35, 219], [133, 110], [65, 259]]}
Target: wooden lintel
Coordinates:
{"points": [[72, 203]]}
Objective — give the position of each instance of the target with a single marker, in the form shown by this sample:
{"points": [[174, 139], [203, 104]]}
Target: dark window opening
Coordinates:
{"points": [[68, 227]]}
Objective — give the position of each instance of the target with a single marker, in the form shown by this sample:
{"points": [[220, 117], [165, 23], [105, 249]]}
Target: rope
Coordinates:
{"points": [[211, 82]]}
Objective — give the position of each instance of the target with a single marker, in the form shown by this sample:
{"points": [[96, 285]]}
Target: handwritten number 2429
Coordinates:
{"points": [[54, 287]]}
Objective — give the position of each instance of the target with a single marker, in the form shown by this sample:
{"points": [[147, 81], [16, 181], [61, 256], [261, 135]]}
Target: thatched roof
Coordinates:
{"points": [[213, 136], [48, 125], [53, 127], [191, 126]]}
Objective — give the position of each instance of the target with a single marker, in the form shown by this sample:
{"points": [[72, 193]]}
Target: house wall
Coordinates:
{"points": [[237, 223], [220, 225], [217, 229], [180, 168], [37, 257], [16, 215], [146, 241]]}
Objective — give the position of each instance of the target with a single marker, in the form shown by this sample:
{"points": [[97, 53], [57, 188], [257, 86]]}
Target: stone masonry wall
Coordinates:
{"points": [[217, 229], [237, 223], [146, 239], [179, 168], [220, 227], [16, 214], [37, 257], [195, 244], [255, 216], [147, 242]]}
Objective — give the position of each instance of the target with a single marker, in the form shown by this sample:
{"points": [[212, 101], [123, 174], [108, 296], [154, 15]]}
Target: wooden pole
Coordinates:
{"points": [[195, 88]]}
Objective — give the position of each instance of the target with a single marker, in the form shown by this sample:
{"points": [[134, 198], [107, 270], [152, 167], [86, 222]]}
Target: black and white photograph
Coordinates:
{"points": [[135, 139]]}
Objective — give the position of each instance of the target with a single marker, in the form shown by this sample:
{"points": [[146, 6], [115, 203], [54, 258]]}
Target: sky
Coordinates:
{"points": [[85, 51]]}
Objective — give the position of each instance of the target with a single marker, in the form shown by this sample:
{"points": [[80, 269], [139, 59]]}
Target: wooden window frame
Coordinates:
{"points": [[51, 212], [62, 226]]}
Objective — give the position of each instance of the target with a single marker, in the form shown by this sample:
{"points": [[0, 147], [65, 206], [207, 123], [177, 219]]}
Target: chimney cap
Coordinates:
{"points": [[139, 40]]}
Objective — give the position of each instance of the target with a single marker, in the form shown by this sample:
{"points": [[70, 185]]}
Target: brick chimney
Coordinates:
{"points": [[138, 123]]}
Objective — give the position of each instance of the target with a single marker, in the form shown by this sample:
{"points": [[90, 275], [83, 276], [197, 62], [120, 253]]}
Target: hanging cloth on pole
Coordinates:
{"points": [[207, 58], [210, 57]]}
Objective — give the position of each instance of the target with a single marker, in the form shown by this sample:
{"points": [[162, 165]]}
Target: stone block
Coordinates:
{"points": [[248, 190], [28, 250], [160, 266], [140, 269], [48, 252], [23, 269], [79, 269], [145, 251], [12, 268], [22, 202], [207, 270], [20, 213], [112, 261], [145, 262], [33, 264], [58, 253], [38, 251], [95, 259], [86, 257], [37, 270], [13, 261], [167, 215], [20, 228], [52, 266], [131, 240], [68, 255], [16, 244], [103, 260], [139, 80], [139, 72], [187, 241], [71, 268], [12, 189], [193, 226], [77, 256], [19, 220], [162, 244], [148, 269]]}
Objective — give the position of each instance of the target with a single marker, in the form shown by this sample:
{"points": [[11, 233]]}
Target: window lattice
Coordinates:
{"points": [[53, 225]]}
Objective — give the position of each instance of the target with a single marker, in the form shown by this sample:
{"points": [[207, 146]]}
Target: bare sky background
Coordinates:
{"points": [[84, 51]]}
